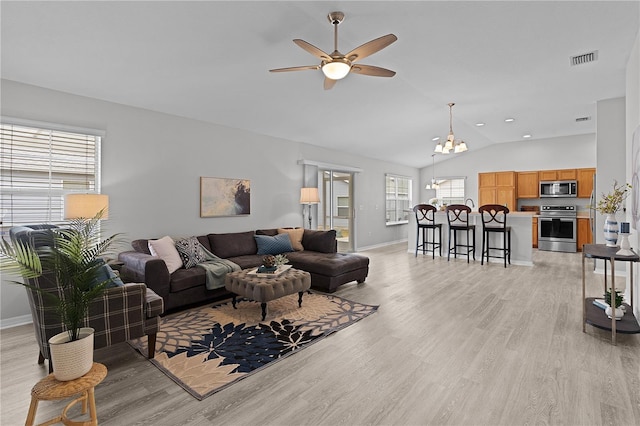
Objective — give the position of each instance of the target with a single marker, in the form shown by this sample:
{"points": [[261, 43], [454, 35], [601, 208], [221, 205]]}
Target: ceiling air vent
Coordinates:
{"points": [[580, 119], [584, 59]]}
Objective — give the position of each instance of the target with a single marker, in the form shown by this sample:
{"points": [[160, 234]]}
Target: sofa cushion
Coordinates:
{"points": [[295, 235], [104, 273], [320, 241], [271, 232], [247, 261], [328, 264], [277, 244], [165, 249], [141, 246], [183, 279], [233, 244], [190, 251]]}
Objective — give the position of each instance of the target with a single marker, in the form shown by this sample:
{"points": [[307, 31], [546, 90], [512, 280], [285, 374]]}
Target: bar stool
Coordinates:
{"points": [[426, 219], [494, 221], [458, 218]]}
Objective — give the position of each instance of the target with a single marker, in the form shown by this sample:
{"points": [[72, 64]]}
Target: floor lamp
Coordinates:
{"points": [[309, 196]]}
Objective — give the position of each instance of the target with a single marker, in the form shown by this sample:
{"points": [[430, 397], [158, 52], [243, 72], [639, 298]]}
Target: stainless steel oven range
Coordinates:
{"points": [[557, 228]]}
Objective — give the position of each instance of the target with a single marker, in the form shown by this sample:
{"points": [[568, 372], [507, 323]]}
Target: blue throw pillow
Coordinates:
{"points": [[276, 244], [104, 273]]}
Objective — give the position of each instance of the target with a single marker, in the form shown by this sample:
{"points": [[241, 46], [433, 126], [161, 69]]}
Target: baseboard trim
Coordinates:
{"points": [[15, 321], [376, 246]]}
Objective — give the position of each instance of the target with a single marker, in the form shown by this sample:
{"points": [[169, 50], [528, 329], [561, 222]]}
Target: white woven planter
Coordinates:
{"points": [[71, 359]]}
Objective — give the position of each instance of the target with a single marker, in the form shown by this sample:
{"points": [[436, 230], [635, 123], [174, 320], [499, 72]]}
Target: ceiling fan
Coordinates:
{"points": [[337, 66]]}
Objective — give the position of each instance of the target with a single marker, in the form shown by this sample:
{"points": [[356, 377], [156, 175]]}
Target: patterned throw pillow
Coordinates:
{"points": [[190, 251]]}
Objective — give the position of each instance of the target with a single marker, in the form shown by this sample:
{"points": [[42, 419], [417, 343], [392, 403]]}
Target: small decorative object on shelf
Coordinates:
{"points": [[619, 313], [609, 205], [623, 239]]}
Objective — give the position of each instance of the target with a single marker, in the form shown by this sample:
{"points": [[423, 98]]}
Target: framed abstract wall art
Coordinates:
{"points": [[224, 197]]}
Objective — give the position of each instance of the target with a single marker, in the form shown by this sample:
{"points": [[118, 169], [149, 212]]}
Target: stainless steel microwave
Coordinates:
{"points": [[558, 188]]}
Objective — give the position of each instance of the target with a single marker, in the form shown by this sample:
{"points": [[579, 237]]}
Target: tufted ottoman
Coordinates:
{"points": [[263, 289]]}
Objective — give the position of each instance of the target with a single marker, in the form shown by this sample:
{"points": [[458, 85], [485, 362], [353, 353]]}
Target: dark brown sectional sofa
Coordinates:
{"points": [[328, 268]]}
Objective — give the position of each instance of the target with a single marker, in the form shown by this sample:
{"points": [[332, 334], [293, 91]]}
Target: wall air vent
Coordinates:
{"points": [[584, 59], [580, 119]]}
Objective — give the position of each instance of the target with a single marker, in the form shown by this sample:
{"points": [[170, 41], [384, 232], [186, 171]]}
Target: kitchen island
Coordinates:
{"points": [[521, 236]]}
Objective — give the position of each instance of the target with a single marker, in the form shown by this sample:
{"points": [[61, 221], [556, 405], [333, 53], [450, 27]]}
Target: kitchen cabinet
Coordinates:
{"points": [[585, 182], [584, 232], [528, 185], [562, 174], [534, 233], [497, 188], [566, 174]]}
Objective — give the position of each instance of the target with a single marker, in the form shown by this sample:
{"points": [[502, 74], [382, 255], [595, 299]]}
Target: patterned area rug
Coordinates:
{"points": [[209, 348]]}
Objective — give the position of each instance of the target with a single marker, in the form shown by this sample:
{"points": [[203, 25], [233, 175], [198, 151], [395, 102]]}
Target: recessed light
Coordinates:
{"points": [[479, 124], [527, 136], [509, 120], [437, 138]]}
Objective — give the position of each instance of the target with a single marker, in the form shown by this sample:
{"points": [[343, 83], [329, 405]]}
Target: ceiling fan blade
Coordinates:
{"points": [[302, 68], [371, 70], [371, 47], [313, 50], [329, 83]]}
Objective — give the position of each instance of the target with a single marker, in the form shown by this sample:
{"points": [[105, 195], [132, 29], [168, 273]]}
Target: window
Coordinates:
{"points": [[39, 164], [343, 207], [450, 191], [398, 199]]}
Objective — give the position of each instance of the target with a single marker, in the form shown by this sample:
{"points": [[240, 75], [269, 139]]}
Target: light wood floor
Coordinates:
{"points": [[452, 344]]}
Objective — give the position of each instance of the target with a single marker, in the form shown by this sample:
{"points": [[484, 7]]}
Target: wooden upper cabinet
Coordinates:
{"points": [[585, 182], [486, 179], [506, 179], [567, 174], [528, 186], [548, 175], [487, 195], [563, 174]]}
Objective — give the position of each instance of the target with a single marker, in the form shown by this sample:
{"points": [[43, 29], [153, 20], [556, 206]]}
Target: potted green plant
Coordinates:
{"points": [[609, 205], [73, 259], [617, 303]]}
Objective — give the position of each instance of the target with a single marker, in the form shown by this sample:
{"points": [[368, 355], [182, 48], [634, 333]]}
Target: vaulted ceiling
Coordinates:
{"points": [[209, 60]]}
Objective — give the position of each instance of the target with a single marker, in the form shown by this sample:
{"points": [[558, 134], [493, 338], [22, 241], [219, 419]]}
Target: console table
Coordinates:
{"points": [[596, 316]]}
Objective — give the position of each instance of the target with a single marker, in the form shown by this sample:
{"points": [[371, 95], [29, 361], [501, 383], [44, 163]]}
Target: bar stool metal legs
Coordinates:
{"points": [[429, 244]]}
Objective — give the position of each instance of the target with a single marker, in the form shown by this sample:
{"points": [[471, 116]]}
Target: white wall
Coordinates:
{"points": [[632, 126], [611, 145], [542, 154], [152, 162]]}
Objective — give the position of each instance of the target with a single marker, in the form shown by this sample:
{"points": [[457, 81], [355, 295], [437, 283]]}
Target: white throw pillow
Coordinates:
{"points": [[166, 250]]}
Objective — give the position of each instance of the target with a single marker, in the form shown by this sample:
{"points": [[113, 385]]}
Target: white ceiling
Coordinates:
{"points": [[209, 61]]}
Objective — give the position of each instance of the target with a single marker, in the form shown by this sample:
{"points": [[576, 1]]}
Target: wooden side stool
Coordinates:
{"points": [[49, 389]]}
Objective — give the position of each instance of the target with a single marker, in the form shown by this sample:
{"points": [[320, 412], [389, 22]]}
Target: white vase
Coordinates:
{"points": [[71, 360], [619, 313], [611, 230]]}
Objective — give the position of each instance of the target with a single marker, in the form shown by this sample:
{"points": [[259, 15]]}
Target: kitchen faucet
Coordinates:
{"points": [[473, 205]]}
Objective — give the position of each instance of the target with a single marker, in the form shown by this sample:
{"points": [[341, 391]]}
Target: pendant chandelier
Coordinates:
{"points": [[452, 144], [434, 182]]}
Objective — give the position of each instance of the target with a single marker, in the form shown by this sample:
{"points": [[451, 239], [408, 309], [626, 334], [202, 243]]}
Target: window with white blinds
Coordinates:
{"points": [[38, 166], [398, 199], [450, 190]]}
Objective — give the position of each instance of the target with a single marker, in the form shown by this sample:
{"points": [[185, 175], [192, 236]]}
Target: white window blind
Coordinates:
{"points": [[450, 191], [38, 166]]}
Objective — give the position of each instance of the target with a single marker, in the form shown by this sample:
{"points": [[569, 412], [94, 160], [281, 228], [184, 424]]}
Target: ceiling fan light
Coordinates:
{"points": [[336, 70], [438, 148]]}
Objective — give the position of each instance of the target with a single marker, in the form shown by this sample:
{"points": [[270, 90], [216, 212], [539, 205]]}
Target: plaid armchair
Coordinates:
{"points": [[120, 314]]}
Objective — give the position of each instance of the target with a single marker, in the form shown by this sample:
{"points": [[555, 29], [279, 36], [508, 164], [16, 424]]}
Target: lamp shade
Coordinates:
{"points": [[85, 206], [309, 196]]}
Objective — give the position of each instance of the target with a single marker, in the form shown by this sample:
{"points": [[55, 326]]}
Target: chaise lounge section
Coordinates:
{"points": [[187, 286]]}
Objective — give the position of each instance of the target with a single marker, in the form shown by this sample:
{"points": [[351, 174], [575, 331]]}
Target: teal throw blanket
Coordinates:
{"points": [[216, 269]]}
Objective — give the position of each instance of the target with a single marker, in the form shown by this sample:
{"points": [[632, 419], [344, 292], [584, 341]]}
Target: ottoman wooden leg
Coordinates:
{"points": [[32, 411], [263, 305], [300, 293], [233, 302]]}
